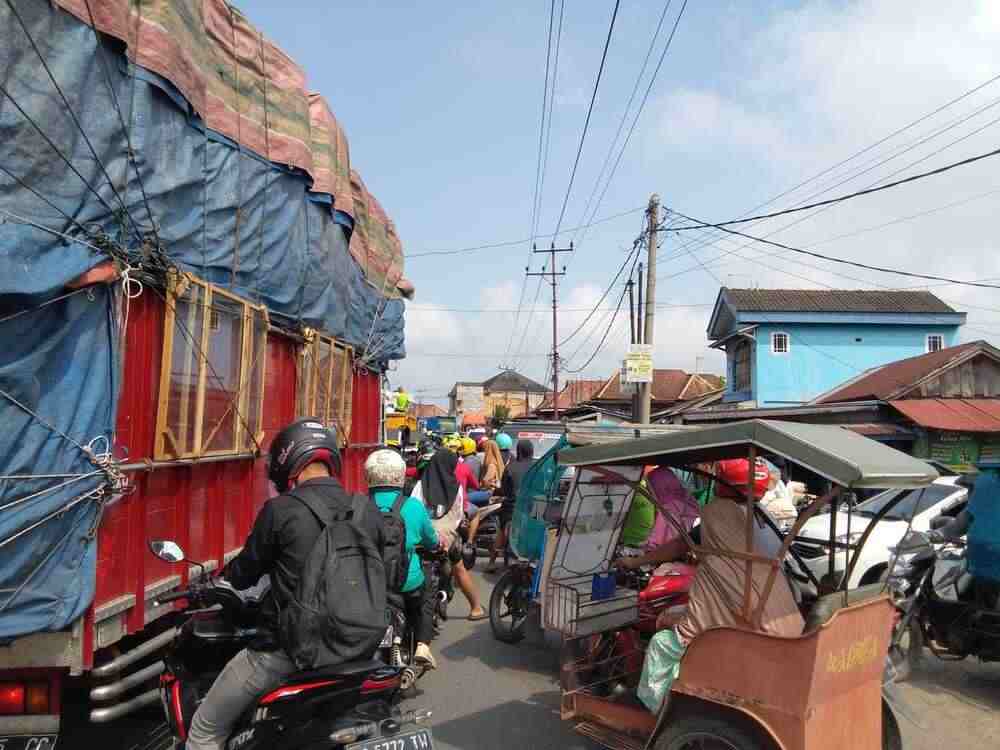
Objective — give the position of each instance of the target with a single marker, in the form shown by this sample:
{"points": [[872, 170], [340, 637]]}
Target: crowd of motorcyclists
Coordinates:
{"points": [[436, 496]]}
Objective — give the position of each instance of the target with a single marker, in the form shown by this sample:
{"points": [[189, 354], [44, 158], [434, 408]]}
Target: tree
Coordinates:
{"points": [[501, 413]]}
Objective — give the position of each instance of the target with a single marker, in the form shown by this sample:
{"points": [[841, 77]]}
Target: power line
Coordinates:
{"points": [[830, 201], [509, 243], [908, 126], [507, 311], [754, 258], [628, 108], [638, 112], [590, 111], [539, 181], [607, 332], [844, 261], [635, 248]]}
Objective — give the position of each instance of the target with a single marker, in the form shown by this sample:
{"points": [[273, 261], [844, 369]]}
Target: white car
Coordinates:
{"points": [[924, 505]]}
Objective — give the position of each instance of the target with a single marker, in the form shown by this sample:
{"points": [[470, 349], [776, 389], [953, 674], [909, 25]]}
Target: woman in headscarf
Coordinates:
{"points": [[442, 494], [672, 498], [493, 467]]}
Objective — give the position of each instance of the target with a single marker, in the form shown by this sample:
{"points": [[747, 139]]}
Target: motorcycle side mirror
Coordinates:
{"points": [[166, 550], [940, 522]]}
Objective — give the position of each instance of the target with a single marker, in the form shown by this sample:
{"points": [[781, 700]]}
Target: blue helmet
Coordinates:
{"points": [[504, 441]]}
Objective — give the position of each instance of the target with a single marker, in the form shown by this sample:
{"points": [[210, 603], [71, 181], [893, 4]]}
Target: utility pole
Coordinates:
{"points": [[552, 275], [653, 216]]}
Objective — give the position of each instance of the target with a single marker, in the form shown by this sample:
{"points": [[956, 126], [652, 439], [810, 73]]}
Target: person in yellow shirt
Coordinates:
{"points": [[402, 402]]}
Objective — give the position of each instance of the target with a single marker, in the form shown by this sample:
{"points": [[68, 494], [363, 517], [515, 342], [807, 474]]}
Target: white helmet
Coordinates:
{"points": [[385, 468]]}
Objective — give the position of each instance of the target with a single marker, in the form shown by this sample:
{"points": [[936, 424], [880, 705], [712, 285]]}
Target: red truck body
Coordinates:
{"points": [[206, 506]]}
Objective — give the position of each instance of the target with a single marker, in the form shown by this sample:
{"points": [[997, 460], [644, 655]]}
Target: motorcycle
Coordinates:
{"points": [[351, 705], [399, 644], [939, 605]]}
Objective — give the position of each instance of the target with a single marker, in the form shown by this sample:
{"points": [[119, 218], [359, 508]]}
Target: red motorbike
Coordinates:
{"points": [[616, 658]]}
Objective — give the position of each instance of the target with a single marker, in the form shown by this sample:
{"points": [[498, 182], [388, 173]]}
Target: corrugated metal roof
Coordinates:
{"points": [[882, 382], [840, 455], [668, 385], [509, 380], [954, 414], [574, 392], [835, 300], [880, 429]]}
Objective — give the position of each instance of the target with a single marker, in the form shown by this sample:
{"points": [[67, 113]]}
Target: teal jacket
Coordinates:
{"points": [[419, 531]]}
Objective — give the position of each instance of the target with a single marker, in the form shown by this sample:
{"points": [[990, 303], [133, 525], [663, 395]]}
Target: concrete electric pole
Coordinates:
{"points": [[553, 277], [653, 217]]}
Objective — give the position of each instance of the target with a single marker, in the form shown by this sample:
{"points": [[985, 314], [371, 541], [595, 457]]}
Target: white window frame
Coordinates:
{"points": [[788, 343], [927, 344]]}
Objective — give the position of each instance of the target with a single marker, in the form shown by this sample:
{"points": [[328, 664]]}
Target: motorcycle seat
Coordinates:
{"points": [[361, 668]]}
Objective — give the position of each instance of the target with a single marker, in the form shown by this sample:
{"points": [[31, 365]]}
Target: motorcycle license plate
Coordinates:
{"points": [[29, 742], [418, 740]]}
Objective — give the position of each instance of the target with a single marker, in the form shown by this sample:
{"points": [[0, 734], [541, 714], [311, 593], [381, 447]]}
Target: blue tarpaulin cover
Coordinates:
{"points": [[218, 210]]}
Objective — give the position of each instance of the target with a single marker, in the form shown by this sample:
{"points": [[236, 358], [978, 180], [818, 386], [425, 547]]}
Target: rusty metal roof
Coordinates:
{"points": [[835, 300], [954, 414], [896, 377], [880, 430]]}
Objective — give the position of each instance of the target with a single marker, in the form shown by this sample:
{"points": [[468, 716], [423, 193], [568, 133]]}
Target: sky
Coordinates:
{"points": [[756, 108]]}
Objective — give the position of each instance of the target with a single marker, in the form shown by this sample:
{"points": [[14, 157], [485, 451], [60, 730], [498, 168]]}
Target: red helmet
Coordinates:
{"points": [[735, 471]]}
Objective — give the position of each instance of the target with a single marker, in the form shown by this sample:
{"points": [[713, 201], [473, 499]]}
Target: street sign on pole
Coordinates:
{"points": [[638, 365]]}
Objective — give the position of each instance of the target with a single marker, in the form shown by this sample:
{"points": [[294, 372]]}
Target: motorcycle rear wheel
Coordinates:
{"points": [[509, 607]]}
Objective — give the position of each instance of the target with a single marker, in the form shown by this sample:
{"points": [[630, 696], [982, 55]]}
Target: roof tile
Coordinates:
{"points": [[835, 300]]}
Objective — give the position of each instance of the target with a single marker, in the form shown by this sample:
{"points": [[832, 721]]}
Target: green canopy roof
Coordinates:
{"points": [[840, 455]]}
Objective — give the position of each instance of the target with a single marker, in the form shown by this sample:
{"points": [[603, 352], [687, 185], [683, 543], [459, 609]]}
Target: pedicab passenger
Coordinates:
{"points": [[716, 595]]}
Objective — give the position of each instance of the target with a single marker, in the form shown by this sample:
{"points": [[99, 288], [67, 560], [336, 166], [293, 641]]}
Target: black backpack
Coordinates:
{"points": [[397, 562], [338, 611]]}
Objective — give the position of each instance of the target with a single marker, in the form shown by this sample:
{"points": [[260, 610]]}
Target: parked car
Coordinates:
{"points": [[944, 496]]}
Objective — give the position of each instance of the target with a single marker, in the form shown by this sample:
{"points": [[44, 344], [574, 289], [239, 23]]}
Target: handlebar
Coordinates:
{"points": [[173, 596]]}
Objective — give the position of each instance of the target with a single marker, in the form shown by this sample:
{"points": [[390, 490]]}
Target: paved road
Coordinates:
{"points": [[487, 695]]}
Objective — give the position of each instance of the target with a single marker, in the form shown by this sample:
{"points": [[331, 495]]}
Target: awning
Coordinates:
{"points": [[953, 414], [884, 430], [842, 456]]}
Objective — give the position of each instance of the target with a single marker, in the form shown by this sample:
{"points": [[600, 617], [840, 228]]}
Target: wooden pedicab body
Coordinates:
{"points": [[818, 691]]}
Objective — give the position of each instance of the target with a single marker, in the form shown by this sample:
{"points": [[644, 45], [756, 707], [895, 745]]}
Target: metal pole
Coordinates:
{"points": [[555, 342], [653, 214], [638, 309]]}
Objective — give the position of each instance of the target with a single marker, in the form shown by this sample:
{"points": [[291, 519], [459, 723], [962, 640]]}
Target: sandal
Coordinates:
{"points": [[484, 615]]}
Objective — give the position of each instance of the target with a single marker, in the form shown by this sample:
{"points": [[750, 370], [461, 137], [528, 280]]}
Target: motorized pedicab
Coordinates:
{"points": [[738, 688]]}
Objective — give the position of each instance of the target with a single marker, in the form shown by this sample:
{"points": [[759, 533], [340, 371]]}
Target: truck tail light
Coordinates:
{"points": [[11, 698], [17, 698], [37, 698]]}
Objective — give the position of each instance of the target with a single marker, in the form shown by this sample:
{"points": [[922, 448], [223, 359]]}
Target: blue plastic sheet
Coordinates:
{"points": [[47, 549], [218, 210]]}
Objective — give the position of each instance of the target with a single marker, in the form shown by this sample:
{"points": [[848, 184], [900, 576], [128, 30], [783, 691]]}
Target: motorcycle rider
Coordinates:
{"points": [[304, 454], [385, 472]]}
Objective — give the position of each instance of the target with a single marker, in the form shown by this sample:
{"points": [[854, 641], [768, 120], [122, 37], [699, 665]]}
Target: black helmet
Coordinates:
{"points": [[301, 443]]}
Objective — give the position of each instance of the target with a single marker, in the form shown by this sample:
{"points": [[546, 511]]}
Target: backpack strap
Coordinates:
{"points": [[323, 514], [359, 506], [397, 505]]}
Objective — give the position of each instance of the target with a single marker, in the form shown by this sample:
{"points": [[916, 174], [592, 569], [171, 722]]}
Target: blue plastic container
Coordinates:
{"points": [[603, 586], [983, 552]]}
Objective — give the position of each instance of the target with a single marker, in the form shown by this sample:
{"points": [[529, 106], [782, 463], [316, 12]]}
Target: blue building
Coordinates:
{"points": [[787, 346]]}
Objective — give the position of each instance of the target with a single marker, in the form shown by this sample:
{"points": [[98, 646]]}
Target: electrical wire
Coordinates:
{"points": [[539, 165], [507, 311], [852, 157], [638, 114], [590, 111], [624, 118], [844, 261], [840, 199], [510, 243], [604, 296]]}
